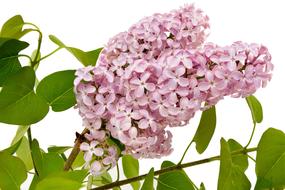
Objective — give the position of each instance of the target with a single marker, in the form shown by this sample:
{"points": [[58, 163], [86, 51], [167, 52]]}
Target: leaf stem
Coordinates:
{"points": [[189, 145], [75, 151], [171, 169], [118, 172], [251, 136], [54, 51], [90, 182]]}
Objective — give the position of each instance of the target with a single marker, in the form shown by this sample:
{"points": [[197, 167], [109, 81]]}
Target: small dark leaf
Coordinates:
{"points": [[9, 63], [57, 90], [174, 180], [205, 129], [255, 108]]}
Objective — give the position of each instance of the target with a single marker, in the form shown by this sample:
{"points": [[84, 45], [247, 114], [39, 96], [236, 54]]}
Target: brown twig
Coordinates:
{"points": [[75, 151], [170, 169]]}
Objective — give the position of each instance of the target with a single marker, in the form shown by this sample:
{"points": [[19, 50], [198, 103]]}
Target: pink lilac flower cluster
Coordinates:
{"points": [[157, 75]]}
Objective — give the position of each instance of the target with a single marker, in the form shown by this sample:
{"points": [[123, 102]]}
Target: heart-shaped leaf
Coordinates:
{"points": [[19, 104], [174, 180], [255, 109], [9, 63], [57, 90], [231, 176], [205, 129], [240, 160], [270, 160], [148, 182], [12, 172], [12, 28], [131, 169]]}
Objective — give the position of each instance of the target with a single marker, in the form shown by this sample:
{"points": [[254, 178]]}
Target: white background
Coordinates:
{"points": [[89, 24]]}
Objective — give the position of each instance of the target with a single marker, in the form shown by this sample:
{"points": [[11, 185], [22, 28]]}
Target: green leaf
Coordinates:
{"points": [[24, 153], [58, 183], [19, 104], [148, 182], [12, 149], [86, 58], [76, 175], [59, 149], [231, 176], [9, 63], [174, 180], [37, 156], [255, 108], [102, 179], [202, 187], [12, 172], [131, 169], [270, 159], [205, 129], [79, 161], [22, 129], [52, 163], [57, 90], [12, 28], [238, 160]]}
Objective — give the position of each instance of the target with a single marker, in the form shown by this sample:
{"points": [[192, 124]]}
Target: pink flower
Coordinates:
{"points": [[141, 84], [176, 77], [91, 149], [104, 103]]}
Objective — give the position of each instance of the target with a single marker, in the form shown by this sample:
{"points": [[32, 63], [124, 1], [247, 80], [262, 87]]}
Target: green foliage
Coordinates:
{"points": [[270, 160], [24, 153], [86, 58], [12, 149], [9, 63], [22, 129], [205, 129], [13, 28], [102, 179], [12, 172], [202, 187], [79, 161], [59, 149], [231, 176], [255, 108], [240, 160], [131, 169], [174, 180], [58, 183], [19, 104], [148, 182], [57, 90], [37, 157], [63, 180]]}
